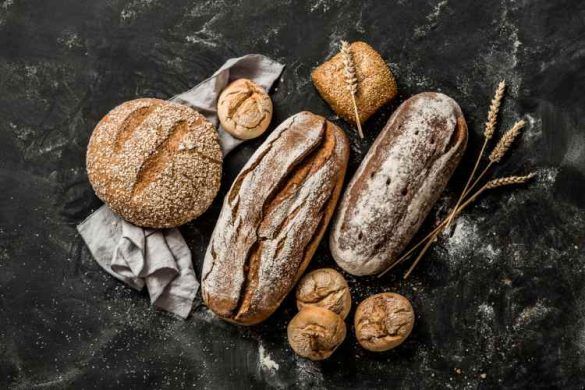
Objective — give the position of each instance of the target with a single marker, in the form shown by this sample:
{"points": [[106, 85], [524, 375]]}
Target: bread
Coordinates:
{"points": [[315, 333], [397, 183], [383, 321], [326, 288], [376, 85], [155, 163], [273, 218], [244, 109]]}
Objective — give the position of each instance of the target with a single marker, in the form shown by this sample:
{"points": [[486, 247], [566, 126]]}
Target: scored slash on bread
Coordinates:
{"points": [[273, 218]]}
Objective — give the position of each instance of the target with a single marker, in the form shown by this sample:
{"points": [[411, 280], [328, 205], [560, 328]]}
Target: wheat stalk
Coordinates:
{"points": [[351, 81], [430, 238], [488, 133], [495, 183], [505, 142]]}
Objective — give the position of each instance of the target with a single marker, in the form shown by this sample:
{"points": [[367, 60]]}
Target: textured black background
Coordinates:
{"points": [[499, 300]]}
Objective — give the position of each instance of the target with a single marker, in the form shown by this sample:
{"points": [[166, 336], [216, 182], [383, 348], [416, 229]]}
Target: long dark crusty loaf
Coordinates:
{"points": [[155, 163], [273, 218], [397, 183]]}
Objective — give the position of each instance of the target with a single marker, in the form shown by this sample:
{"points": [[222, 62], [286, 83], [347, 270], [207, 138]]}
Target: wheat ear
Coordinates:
{"points": [[488, 133], [506, 181], [351, 81], [499, 151], [505, 142], [490, 125]]}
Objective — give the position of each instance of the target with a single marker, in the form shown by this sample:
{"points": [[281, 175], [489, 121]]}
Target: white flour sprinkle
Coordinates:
{"points": [[265, 360]]}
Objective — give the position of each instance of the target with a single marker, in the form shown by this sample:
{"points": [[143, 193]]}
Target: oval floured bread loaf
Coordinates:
{"points": [[397, 183], [273, 218], [155, 163]]}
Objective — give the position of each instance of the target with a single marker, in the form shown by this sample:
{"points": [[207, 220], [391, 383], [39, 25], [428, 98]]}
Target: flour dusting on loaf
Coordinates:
{"points": [[273, 218], [397, 183]]}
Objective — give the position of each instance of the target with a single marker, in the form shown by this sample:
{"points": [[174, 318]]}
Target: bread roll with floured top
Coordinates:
{"points": [[326, 288], [383, 321], [397, 183], [244, 109], [315, 332], [155, 163], [273, 218]]}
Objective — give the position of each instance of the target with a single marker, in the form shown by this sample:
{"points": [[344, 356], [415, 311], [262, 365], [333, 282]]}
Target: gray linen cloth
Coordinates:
{"points": [[160, 258]]}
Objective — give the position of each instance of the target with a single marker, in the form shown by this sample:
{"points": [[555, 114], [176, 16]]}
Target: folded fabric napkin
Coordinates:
{"points": [[160, 258]]}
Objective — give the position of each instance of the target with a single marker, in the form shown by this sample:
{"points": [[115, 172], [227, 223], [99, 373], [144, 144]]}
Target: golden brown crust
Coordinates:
{"points": [[326, 288], [155, 163], [244, 109], [315, 333], [376, 84], [383, 321], [273, 218]]}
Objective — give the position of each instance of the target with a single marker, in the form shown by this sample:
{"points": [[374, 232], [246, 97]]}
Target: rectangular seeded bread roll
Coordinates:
{"points": [[397, 183], [375, 82], [273, 218]]}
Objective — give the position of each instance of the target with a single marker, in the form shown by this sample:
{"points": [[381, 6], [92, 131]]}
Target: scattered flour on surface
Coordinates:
{"points": [[464, 236], [324, 5], [531, 314], [546, 177], [432, 19], [486, 311], [265, 360], [308, 372]]}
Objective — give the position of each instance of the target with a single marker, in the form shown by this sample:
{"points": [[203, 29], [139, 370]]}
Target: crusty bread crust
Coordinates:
{"points": [[376, 85], [155, 163], [273, 218], [397, 183]]}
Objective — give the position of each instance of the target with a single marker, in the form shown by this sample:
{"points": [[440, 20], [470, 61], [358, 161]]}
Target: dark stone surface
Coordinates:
{"points": [[499, 300]]}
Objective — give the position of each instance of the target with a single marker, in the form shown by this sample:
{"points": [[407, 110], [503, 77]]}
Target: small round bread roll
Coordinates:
{"points": [[324, 288], [383, 321], [315, 333], [244, 109], [155, 163]]}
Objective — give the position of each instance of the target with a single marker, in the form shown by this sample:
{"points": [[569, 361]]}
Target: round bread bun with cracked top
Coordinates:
{"points": [[155, 163], [244, 109], [326, 288], [315, 333], [383, 321]]}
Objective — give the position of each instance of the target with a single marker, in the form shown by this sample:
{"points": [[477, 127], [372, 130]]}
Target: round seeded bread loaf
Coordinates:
{"points": [[155, 163]]}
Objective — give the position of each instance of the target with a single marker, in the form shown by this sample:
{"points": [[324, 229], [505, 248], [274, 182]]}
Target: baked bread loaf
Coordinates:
{"points": [[315, 333], [375, 83], [273, 218], [397, 183], [155, 163], [326, 288], [244, 109], [383, 321]]}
